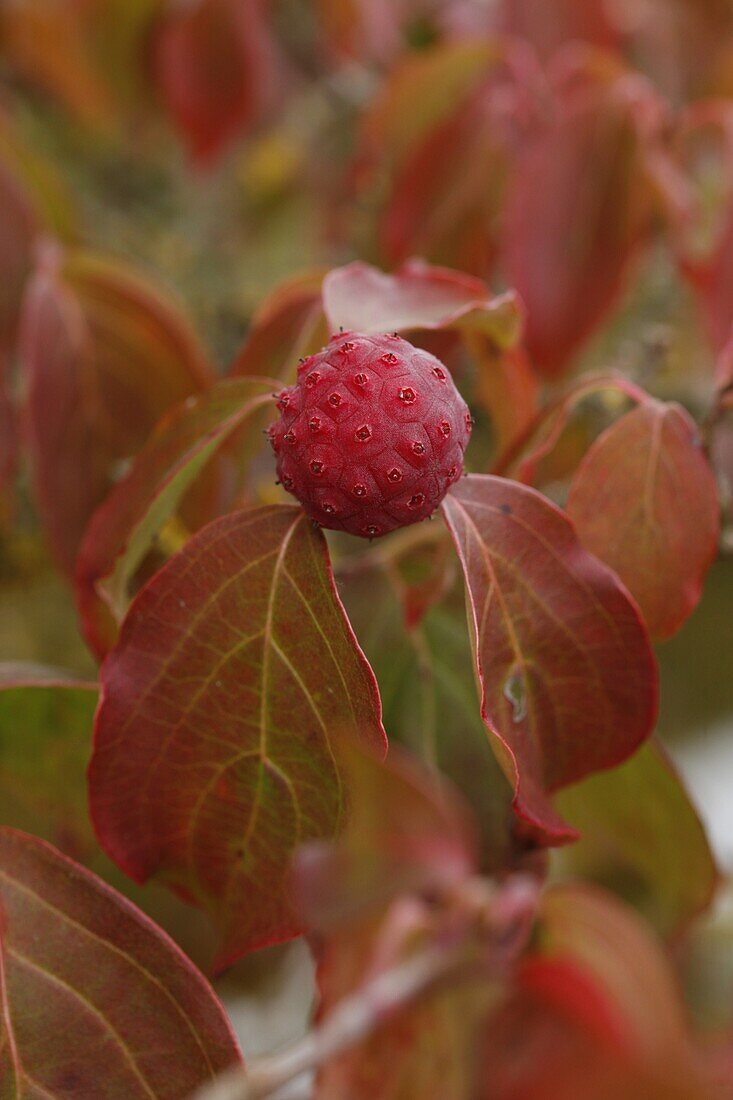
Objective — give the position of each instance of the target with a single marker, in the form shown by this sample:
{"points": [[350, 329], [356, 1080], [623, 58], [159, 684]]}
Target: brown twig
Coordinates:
{"points": [[486, 946]]}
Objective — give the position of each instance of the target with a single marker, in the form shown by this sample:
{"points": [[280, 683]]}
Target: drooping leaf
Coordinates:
{"points": [[96, 1000], [579, 203], [431, 705], [568, 678], [215, 67], [235, 672], [641, 837], [406, 833], [125, 526], [361, 298], [46, 721], [645, 501], [289, 325], [106, 354]]}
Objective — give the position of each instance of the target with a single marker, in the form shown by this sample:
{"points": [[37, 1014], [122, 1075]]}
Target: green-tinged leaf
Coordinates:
{"points": [[94, 999], [361, 298], [235, 673], [641, 837], [431, 704], [568, 678], [644, 499], [125, 527], [46, 721], [407, 832], [106, 355]]}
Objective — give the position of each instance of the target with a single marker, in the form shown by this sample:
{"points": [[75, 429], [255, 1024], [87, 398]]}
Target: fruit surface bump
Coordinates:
{"points": [[372, 434]]}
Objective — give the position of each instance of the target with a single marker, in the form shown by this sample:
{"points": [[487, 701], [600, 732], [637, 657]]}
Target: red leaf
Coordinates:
{"points": [[214, 757], [361, 298], [579, 204], [595, 1012], [94, 998], [645, 501], [124, 528], [214, 63], [568, 678], [406, 833], [106, 355]]}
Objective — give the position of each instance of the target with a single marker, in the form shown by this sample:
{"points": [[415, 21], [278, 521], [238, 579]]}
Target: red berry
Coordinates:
{"points": [[371, 436]]}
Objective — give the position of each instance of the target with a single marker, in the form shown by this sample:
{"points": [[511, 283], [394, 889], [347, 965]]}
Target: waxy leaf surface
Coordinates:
{"points": [[641, 837], [235, 674], [569, 681], [124, 528], [106, 355], [645, 501], [95, 1000], [361, 298]]}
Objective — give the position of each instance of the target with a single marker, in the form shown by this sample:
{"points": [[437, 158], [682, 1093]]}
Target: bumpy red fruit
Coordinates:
{"points": [[372, 434]]}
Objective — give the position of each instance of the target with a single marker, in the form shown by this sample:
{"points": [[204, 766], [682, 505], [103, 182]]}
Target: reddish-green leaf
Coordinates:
{"points": [[641, 836], [215, 67], [106, 355], [644, 499], [95, 1000], [568, 677], [124, 528], [235, 674], [361, 298], [579, 204], [406, 833]]}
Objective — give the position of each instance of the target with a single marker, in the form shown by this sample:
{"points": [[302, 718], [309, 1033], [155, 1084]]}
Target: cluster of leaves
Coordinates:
{"points": [[250, 668]]}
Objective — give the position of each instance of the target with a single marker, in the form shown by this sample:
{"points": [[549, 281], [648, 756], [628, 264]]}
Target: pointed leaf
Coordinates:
{"points": [[568, 678], [579, 204], [640, 836], [124, 528], [95, 1000], [214, 64], [361, 298], [645, 501], [214, 758], [106, 355]]}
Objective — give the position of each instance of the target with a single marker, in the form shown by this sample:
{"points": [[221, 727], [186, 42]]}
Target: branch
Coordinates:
{"points": [[488, 946]]}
